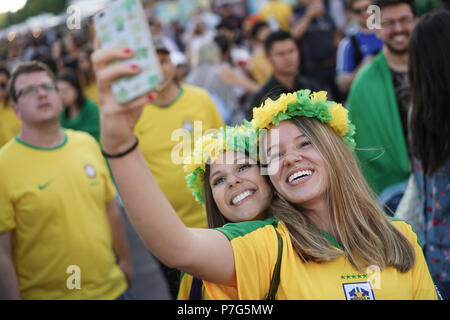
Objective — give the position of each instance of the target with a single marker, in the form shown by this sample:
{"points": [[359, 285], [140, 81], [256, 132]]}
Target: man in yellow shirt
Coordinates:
{"points": [[166, 128], [9, 123], [59, 220]]}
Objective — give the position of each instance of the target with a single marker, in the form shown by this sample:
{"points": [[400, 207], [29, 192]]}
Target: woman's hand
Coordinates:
{"points": [[117, 120]]}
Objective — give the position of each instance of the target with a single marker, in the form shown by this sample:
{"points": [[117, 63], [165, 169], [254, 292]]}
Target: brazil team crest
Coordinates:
{"points": [[90, 171], [358, 291]]}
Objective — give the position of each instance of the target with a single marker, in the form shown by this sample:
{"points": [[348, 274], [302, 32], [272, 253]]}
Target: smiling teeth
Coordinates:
{"points": [[299, 174], [241, 196]]}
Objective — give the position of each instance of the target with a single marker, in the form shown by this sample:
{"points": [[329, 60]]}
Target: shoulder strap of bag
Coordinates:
{"points": [[358, 57], [196, 289], [276, 272]]}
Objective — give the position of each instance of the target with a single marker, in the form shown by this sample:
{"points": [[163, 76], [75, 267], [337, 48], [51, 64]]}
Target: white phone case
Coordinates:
{"points": [[124, 23]]}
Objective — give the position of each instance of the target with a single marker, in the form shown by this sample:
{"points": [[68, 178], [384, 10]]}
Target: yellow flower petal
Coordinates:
{"points": [[340, 119], [321, 95]]}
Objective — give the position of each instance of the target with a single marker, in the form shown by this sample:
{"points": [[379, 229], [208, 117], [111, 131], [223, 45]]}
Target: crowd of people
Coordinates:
{"points": [[363, 127]]}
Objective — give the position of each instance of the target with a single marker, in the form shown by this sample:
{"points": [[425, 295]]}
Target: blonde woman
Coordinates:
{"points": [[243, 255], [335, 226]]}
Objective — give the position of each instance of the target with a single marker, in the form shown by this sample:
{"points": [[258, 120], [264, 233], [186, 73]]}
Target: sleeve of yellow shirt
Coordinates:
{"points": [[7, 216], [255, 248]]}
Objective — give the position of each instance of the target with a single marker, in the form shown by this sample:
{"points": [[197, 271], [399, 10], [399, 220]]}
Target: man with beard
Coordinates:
{"points": [[378, 104]]}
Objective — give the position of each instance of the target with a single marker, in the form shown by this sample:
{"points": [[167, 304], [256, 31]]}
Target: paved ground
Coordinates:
{"points": [[149, 283]]}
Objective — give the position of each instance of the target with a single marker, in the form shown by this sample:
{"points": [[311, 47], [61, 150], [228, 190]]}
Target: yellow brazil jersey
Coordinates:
{"points": [[163, 131], [53, 200], [9, 124], [186, 282], [255, 251]]}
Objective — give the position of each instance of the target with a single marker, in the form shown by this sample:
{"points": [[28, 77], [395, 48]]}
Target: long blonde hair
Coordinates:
{"points": [[364, 232]]}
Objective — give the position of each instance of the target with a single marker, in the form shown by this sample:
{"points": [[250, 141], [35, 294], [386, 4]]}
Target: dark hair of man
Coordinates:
{"points": [[257, 27], [429, 76], [25, 68], [276, 37], [223, 43], [385, 3], [71, 77], [349, 4]]}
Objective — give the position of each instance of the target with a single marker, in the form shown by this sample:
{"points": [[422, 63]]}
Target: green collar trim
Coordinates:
{"points": [[174, 101], [332, 240], [240, 229], [41, 148]]}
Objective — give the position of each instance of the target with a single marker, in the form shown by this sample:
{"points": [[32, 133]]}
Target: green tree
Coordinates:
{"points": [[32, 8]]}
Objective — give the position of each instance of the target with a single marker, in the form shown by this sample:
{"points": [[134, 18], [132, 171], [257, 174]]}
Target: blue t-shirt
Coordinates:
{"points": [[369, 44]]}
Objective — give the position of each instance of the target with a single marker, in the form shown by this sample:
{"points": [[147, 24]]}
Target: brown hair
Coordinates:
{"points": [[214, 217], [364, 232], [25, 68]]}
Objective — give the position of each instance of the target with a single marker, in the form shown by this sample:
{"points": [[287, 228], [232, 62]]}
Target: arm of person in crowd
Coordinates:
{"points": [[9, 286], [315, 9], [120, 241], [204, 253], [345, 80], [231, 77]]}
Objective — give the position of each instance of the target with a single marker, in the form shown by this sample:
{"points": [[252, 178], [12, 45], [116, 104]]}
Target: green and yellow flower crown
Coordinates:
{"points": [[208, 148], [303, 103]]}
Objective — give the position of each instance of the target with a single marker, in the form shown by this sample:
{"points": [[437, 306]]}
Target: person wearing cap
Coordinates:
{"points": [[175, 108]]}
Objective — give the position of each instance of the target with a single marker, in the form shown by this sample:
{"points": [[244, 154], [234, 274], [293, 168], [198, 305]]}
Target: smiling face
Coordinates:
{"points": [[397, 23], [240, 192], [297, 170]]}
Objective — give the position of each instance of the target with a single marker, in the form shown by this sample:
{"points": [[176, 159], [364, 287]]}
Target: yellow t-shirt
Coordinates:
{"points": [[261, 68], [255, 252], [227, 293], [280, 11], [162, 131], [91, 92], [53, 201], [9, 124]]}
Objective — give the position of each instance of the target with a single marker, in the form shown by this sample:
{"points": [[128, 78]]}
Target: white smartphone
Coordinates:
{"points": [[124, 23]]}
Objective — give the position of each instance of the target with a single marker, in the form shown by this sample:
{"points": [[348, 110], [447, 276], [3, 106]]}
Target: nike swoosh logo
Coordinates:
{"points": [[144, 131], [45, 185]]}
